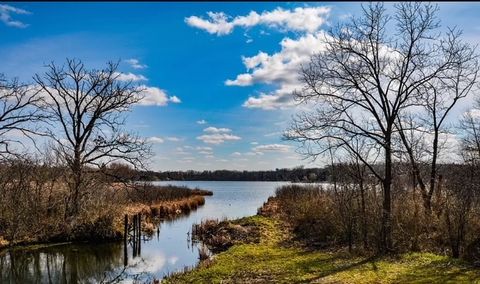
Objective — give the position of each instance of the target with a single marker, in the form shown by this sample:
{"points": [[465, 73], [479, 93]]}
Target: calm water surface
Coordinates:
{"points": [[168, 251]]}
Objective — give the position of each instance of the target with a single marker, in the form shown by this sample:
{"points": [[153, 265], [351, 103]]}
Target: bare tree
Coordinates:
{"points": [[18, 115], [363, 79], [439, 97], [86, 110], [470, 128]]}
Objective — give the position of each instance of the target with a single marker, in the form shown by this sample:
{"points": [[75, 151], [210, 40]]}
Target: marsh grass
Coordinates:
{"points": [[34, 212]]}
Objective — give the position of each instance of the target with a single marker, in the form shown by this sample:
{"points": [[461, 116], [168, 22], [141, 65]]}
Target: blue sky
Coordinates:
{"points": [[185, 54]]}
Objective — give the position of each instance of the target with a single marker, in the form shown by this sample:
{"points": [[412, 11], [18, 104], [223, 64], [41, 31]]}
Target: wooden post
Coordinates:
{"points": [[134, 238], [125, 241], [134, 226], [139, 232]]}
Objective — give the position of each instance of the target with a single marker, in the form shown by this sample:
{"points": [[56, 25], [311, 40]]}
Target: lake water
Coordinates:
{"points": [[168, 251]]}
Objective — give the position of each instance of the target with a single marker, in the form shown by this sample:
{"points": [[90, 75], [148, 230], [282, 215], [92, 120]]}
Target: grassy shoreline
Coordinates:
{"points": [[273, 257]]}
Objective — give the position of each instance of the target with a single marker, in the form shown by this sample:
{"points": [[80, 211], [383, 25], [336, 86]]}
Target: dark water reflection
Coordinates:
{"points": [[166, 251], [75, 263]]}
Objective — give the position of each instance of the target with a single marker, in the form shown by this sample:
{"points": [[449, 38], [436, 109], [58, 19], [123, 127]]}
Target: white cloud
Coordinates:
{"points": [[203, 121], [208, 151], [276, 133], [129, 77], [158, 139], [308, 19], [155, 139], [217, 24], [212, 129], [254, 143], [135, 63], [6, 12], [217, 135], [175, 100], [181, 151], [200, 148], [217, 138], [173, 139], [271, 148], [474, 113], [187, 159], [280, 70], [278, 100], [154, 96], [236, 154], [253, 154]]}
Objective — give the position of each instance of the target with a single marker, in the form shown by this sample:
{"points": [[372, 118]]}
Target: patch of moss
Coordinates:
{"points": [[269, 262]]}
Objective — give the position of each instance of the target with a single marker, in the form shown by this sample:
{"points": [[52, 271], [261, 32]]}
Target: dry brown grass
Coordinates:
{"points": [[33, 207]]}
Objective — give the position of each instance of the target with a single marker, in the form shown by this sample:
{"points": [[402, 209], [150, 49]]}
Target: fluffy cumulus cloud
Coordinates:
{"points": [[135, 63], [153, 96], [303, 19], [6, 12], [280, 69], [217, 135], [201, 122]]}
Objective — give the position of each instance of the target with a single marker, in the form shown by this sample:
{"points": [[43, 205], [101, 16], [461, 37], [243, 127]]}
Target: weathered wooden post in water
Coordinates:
{"points": [[133, 234]]}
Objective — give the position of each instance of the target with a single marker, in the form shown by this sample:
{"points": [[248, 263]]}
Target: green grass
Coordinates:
{"points": [[270, 261]]}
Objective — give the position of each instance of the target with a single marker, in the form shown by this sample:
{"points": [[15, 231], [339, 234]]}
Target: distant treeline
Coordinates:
{"points": [[299, 174], [294, 175]]}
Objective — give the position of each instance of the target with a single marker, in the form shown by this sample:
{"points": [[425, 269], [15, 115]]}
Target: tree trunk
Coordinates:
{"points": [[76, 185], [364, 214], [386, 244], [433, 176]]}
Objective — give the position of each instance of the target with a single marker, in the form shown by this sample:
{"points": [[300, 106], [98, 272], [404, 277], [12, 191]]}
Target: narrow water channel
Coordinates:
{"points": [[167, 251]]}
